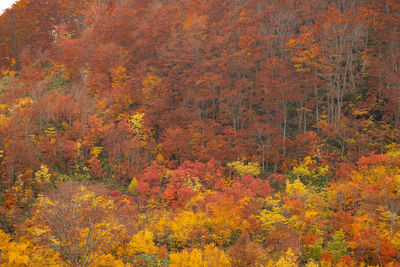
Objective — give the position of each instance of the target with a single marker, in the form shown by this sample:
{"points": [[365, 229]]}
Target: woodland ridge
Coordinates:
{"points": [[200, 133]]}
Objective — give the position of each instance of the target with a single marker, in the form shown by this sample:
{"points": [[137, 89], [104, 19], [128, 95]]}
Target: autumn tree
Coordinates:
{"points": [[78, 223]]}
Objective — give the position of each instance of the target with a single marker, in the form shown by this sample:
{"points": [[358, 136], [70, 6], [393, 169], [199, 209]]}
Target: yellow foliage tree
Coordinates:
{"points": [[210, 256], [133, 186], [78, 223], [272, 214], [25, 253], [296, 190], [308, 173], [142, 243], [288, 260], [42, 175], [141, 134], [178, 229], [243, 169]]}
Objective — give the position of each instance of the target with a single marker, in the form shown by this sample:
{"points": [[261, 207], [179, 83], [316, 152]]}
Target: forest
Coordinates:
{"points": [[200, 133]]}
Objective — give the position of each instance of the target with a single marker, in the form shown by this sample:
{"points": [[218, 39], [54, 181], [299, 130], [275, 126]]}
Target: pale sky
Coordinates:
{"points": [[4, 4]]}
